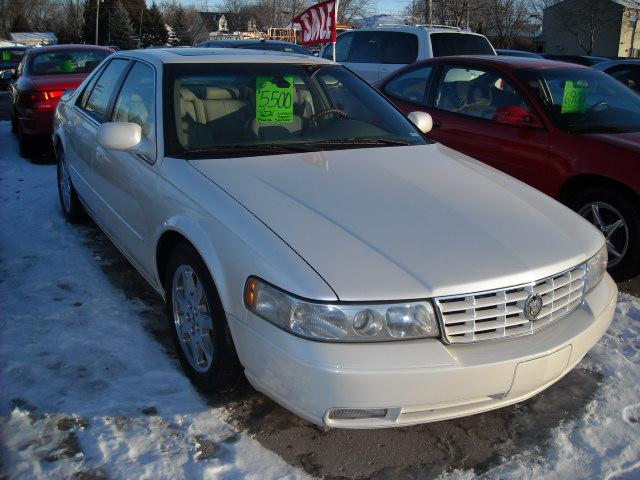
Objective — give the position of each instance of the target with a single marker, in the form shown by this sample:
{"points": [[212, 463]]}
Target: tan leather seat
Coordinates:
{"points": [[221, 103]]}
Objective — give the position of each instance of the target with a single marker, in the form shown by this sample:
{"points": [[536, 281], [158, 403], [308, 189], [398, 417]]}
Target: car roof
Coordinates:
{"points": [[79, 46], [219, 55], [251, 41], [504, 62], [613, 63], [415, 29]]}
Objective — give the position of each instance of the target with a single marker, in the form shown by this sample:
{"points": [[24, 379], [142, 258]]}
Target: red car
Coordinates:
{"points": [[41, 79], [568, 130]]}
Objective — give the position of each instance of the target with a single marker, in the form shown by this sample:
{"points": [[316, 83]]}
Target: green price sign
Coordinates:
{"points": [[274, 99], [6, 56], [574, 99]]}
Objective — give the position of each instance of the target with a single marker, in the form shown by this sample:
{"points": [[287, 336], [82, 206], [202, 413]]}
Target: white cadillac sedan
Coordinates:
{"points": [[302, 231]]}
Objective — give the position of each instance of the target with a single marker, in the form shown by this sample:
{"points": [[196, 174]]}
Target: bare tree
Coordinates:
{"points": [[350, 9], [507, 19]]}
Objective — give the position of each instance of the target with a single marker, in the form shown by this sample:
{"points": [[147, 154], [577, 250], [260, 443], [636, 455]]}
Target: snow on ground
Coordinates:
{"points": [[86, 392], [83, 387]]}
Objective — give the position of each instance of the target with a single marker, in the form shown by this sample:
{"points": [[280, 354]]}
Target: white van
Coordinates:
{"points": [[374, 53]]}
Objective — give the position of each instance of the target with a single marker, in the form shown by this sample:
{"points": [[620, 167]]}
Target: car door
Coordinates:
{"points": [[81, 130], [125, 180], [477, 111]]}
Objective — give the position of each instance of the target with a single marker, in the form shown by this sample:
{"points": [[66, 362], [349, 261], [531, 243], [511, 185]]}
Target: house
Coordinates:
{"points": [[606, 28], [211, 25]]}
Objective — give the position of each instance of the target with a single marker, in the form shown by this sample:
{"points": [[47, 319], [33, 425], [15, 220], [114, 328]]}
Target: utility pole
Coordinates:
{"points": [[140, 34], [429, 12], [97, 16], [634, 19]]}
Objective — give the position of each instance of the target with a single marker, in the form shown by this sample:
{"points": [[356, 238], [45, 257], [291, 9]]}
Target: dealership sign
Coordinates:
{"points": [[318, 23]]}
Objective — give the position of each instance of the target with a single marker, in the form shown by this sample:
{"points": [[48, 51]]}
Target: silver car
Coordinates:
{"points": [[303, 232]]}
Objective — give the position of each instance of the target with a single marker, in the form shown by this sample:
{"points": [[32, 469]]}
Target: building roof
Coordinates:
{"points": [[624, 3]]}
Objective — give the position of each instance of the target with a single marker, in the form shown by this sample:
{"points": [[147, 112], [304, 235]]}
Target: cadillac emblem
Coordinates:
{"points": [[532, 307]]}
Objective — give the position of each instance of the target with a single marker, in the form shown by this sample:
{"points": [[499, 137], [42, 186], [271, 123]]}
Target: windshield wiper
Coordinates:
{"points": [[239, 148], [360, 141]]}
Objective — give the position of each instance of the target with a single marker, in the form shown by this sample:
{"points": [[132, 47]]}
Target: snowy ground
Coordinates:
{"points": [[89, 388]]}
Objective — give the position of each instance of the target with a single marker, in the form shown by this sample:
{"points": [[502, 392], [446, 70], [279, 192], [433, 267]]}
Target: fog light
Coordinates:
{"points": [[356, 413]]}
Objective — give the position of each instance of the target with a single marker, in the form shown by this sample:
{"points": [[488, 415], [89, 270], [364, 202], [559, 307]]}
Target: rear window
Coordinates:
{"points": [[383, 47], [64, 62], [11, 55], [445, 44]]}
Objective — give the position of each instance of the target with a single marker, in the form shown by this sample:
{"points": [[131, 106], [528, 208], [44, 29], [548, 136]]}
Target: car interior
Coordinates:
{"points": [[480, 95]]}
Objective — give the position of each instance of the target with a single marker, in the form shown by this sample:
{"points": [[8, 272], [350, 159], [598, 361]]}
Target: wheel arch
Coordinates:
{"points": [[183, 231], [582, 182]]}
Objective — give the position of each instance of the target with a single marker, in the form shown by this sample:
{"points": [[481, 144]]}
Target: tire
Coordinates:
{"points": [[72, 208], [25, 142], [210, 361], [623, 241], [14, 124]]}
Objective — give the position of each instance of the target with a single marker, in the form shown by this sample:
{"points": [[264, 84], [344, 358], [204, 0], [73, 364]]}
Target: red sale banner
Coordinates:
{"points": [[318, 23]]}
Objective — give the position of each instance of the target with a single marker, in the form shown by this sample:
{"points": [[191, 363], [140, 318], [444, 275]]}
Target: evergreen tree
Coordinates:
{"points": [[134, 8], [89, 27], [120, 26], [154, 31], [181, 28]]}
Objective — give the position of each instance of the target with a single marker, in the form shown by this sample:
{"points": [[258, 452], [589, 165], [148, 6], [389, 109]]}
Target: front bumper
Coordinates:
{"points": [[416, 381]]}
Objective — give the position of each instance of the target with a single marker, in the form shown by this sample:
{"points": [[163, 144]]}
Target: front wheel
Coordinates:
{"points": [[618, 218], [198, 324], [71, 207]]}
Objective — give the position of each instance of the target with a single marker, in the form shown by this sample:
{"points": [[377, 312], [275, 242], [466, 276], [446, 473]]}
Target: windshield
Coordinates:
{"points": [[232, 110], [582, 100], [64, 62]]}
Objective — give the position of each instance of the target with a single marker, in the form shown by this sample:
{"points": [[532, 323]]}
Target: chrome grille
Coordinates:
{"points": [[497, 314]]}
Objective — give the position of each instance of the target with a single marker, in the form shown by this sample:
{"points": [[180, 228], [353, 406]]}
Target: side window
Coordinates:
{"points": [[410, 86], [98, 100], [136, 102], [82, 101], [629, 75], [476, 93], [343, 43]]}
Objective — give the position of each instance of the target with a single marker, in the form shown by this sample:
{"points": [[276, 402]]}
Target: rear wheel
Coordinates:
{"points": [[71, 207], [198, 324], [618, 218], [25, 142]]}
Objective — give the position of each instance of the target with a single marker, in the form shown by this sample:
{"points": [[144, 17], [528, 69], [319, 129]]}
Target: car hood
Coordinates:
{"points": [[395, 223]]}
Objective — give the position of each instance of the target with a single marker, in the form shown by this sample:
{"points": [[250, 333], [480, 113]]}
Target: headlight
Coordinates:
{"points": [[341, 322], [596, 266]]}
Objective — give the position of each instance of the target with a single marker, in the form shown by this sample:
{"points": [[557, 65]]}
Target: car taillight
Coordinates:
{"points": [[41, 100]]}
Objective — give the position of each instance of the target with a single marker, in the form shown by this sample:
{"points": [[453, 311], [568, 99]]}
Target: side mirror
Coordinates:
{"points": [[517, 116], [422, 120], [119, 135]]}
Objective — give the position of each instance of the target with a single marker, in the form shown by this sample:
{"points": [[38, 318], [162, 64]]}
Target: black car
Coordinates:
{"points": [[586, 60], [272, 45], [9, 59]]}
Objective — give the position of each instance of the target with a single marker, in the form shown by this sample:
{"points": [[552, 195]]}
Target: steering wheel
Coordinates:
{"points": [[313, 121], [599, 104]]}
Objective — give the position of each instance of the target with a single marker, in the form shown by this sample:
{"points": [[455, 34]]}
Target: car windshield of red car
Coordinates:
{"points": [[65, 62], [581, 100]]}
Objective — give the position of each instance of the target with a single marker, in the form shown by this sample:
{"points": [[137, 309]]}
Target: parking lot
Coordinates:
{"points": [[91, 387]]}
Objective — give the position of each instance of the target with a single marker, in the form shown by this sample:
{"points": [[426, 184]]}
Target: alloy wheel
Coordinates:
{"points": [[611, 223], [192, 318]]}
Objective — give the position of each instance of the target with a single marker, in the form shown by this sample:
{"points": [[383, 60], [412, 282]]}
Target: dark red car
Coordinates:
{"points": [[41, 79], [568, 130]]}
